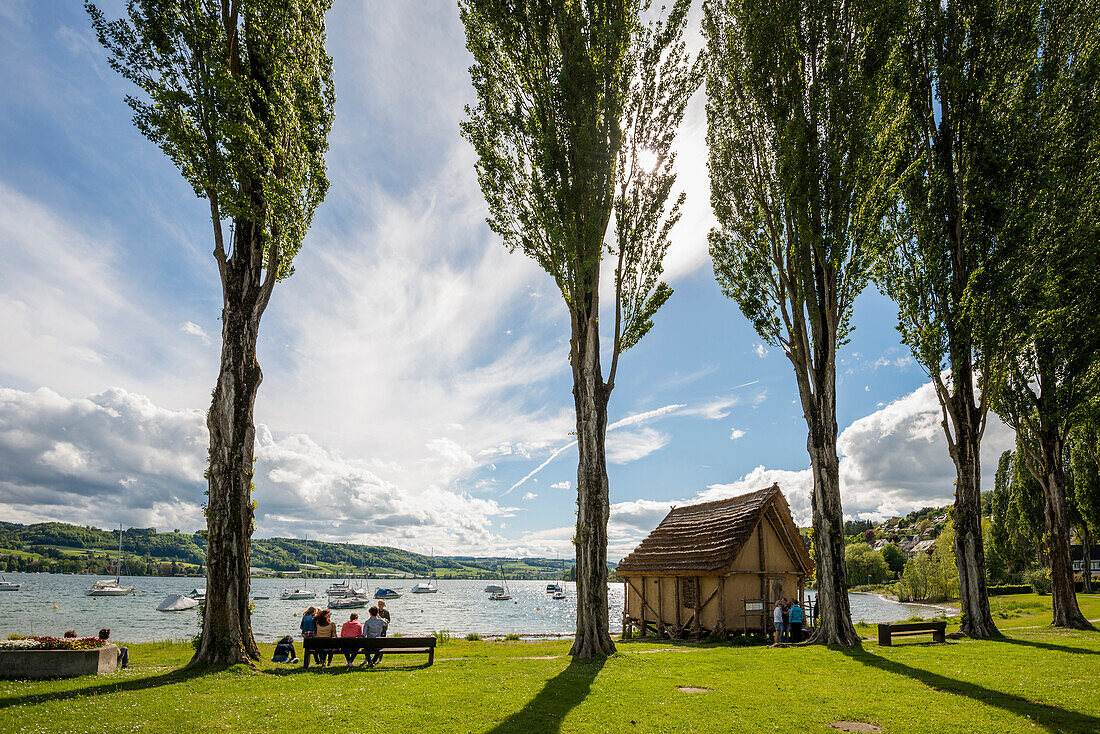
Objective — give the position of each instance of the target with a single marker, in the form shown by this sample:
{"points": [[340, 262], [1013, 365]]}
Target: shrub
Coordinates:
{"points": [[473, 637], [512, 637], [1039, 580], [442, 637], [1004, 589]]}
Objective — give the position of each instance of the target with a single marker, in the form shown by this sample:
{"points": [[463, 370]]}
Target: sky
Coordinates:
{"points": [[416, 387]]}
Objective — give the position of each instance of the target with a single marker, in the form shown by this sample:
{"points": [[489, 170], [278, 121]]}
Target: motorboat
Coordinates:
{"points": [[386, 594], [6, 585], [197, 594], [177, 603], [340, 588], [108, 587], [112, 587], [349, 602], [424, 587], [558, 595], [553, 588], [494, 589], [289, 594]]}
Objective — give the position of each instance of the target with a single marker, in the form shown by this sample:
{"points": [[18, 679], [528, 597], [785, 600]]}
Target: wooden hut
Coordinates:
{"points": [[715, 568]]}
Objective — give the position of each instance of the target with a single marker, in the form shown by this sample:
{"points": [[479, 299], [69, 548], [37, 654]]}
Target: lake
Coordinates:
{"points": [[49, 604]]}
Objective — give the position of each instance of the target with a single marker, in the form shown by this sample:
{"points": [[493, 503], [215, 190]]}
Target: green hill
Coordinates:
{"points": [[64, 548]]}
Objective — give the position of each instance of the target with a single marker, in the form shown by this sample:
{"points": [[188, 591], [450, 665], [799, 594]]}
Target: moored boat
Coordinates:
{"points": [[349, 602], [6, 585], [108, 587], [177, 603], [425, 587], [297, 594], [386, 594]]}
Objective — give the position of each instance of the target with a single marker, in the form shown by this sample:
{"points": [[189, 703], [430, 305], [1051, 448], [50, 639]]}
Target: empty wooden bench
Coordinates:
{"points": [[387, 645], [905, 629]]}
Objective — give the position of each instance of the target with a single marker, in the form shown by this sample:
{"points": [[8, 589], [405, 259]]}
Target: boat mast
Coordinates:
{"points": [[118, 563]]}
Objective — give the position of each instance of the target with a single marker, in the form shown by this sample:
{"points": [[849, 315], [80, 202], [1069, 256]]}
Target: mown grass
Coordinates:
{"points": [[1035, 680]]}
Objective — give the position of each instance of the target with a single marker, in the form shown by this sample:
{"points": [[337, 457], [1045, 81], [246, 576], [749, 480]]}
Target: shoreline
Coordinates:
{"points": [[948, 610]]}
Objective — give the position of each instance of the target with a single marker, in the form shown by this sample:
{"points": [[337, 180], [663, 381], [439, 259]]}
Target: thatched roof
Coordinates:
{"points": [[707, 538]]}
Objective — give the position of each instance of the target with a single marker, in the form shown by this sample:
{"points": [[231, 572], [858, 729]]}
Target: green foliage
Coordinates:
{"points": [[1039, 580], [576, 115], [512, 637], [473, 637], [932, 577], [1016, 524], [865, 566], [442, 637], [895, 559], [240, 97]]}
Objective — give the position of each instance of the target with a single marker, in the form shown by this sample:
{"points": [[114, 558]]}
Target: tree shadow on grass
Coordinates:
{"points": [[561, 694], [101, 689], [1048, 716], [1047, 646]]}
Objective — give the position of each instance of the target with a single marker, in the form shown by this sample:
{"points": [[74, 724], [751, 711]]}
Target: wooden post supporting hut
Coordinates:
{"points": [[695, 571]]}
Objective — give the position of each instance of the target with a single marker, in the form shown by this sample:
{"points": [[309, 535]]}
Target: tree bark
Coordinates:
{"points": [[590, 395], [1062, 592], [977, 621], [227, 627], [834, 613], [1086, 557]]}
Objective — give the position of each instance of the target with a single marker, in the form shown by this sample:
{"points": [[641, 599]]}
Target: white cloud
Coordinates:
{"points": [[760, 350], [116, 456], [714, 409], [529, 496], [736, 433], [624, 447], [190, 327], [561, 485]]}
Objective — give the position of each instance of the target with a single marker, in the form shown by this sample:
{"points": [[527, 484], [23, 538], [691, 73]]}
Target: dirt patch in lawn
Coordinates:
{"points": [[855, 726]]}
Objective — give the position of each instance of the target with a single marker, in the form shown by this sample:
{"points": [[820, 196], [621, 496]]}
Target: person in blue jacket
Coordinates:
{"points": [[796, 617], [309, 623]]}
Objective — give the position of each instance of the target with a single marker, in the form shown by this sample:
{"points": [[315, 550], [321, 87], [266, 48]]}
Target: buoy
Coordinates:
{"points": [[56, 607]]}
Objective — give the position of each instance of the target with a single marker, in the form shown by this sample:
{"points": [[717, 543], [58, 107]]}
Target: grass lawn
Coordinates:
{"points": [[1035, 680]]}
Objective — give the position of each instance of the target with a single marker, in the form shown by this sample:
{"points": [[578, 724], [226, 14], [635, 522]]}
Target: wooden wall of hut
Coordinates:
{"points": [[682, 604]]}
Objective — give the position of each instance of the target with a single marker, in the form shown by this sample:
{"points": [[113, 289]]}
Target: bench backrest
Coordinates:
{"points": [[340, 643], [915, 626]]}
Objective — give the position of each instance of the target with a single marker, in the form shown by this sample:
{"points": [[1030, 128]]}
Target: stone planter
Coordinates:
{"points": [[31, 664]]}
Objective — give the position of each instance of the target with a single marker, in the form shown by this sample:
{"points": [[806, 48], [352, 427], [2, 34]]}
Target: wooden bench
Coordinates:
{"points": [[886, 631], [348, 645]]}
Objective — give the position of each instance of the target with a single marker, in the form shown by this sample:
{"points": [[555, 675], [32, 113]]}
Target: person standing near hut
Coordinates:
{"points": [[795, 618], [786, 620], [777, 620]]}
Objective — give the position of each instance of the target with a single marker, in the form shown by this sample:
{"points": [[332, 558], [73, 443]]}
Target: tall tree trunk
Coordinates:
{"points": [[227, 627], [1062, 591], [591, 395], [977, 621], [834, 613], [1086, 557]]}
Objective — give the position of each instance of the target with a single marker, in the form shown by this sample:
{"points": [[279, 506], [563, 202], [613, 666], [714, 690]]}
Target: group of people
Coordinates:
{"points": [[787, 618], [318, 623]]}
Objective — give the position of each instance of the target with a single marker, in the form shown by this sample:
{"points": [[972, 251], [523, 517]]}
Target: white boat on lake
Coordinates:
{"points": [[425, 587], [350, 602], [198, 594], [297, 594], [109, 587], [177, 603], [6, 585]]}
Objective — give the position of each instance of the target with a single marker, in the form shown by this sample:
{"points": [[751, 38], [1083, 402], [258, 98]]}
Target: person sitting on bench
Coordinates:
{"points": [[375, 627], [351, 628], [325, 628]]}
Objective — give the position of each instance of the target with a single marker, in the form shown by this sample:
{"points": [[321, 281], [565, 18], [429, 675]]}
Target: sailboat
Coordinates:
{"points": [[427, 587], [109, 587], [6, 585], [503, 594]]}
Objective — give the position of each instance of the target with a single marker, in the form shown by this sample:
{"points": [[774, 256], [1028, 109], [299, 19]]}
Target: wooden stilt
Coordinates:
{"points": [[660, 607]]}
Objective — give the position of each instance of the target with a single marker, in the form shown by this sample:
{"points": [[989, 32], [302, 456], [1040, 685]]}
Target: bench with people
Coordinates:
{"points": [[321, 641]]}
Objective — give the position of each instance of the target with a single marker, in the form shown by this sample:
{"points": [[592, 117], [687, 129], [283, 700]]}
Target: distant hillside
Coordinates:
{"points": [[65, 548]]}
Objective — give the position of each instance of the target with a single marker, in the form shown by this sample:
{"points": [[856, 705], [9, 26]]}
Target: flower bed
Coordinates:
{"points": [[56, 657], [52, 643]]}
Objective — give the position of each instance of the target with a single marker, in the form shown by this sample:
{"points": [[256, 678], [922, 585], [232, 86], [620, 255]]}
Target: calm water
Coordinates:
{"points": [[49, 604]]}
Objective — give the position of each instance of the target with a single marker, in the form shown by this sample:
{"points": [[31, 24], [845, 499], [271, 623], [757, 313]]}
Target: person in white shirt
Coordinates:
{"points": [[777, 620]]}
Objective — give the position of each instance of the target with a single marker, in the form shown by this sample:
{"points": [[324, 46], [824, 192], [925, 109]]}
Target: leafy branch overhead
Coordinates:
{"points": [[554, 178], [240, 101]]}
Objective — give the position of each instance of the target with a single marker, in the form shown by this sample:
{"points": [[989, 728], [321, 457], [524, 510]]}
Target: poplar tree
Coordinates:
{"points": [[578, 104], [1048, 287], [791, 89], [239, 95], [952, 79]]}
